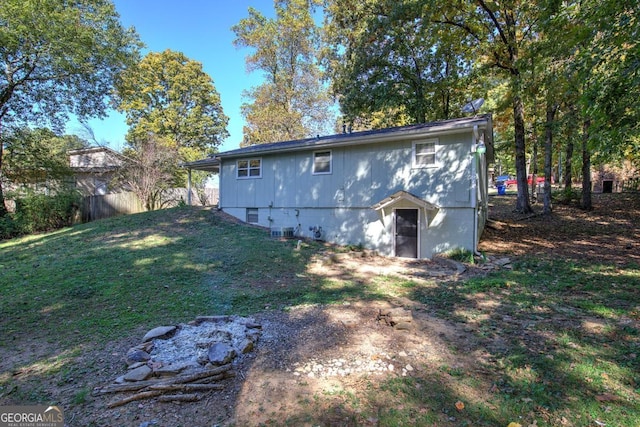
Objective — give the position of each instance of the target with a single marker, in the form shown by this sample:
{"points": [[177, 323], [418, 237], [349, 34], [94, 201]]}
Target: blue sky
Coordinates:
{"points": [[201, 29]]}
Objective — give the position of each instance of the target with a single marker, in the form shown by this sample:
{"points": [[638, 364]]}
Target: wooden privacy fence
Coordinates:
{"points": [[108, 205]]}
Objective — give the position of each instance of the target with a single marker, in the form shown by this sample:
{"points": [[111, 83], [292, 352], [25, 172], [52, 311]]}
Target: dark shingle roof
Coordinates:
{"points": [[346, 138]]}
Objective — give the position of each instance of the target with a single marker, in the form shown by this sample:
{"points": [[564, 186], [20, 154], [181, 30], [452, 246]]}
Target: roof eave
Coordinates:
{"points": [[348, 140]]}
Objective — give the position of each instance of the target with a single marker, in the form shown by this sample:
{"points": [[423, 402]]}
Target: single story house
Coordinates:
{"points": [[411, 191]]}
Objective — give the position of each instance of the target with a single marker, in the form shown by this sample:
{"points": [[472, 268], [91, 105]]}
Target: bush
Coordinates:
{"points": [[39, 212], [566, 196], [8, 227], [460, 254]]}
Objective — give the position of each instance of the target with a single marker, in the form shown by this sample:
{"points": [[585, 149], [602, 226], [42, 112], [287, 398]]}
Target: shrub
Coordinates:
{"points": [[8, 227], [566, 196], [460, 254], [39, 212]]}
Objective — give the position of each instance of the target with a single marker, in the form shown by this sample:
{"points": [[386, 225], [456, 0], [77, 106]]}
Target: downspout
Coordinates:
{"points": [[474, 188], [189, 186]]}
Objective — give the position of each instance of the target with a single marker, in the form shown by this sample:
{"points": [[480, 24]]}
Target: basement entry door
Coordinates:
{"points": [[406, 233]]}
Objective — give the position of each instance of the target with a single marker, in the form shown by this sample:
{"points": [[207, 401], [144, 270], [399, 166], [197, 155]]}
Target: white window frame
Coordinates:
{"points": [[248, 168], [415, 154], [330, 162]]}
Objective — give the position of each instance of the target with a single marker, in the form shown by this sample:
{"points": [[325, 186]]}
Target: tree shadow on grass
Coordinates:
{"points": [[552, 356]]}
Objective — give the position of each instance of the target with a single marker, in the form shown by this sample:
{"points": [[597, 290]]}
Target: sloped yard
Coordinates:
{"points": [[544, 332]]}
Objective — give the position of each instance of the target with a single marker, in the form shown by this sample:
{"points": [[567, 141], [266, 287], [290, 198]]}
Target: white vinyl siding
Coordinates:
{"points": [[249, 168], [322, 162], [424, 153]]}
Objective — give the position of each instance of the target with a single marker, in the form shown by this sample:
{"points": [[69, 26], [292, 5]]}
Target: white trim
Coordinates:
{"points": [[313, 167], [248, 168], [404, 195], [414, 155]]}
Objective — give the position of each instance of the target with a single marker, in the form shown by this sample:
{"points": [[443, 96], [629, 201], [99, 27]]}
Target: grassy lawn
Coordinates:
{"points": [[563, 336]]}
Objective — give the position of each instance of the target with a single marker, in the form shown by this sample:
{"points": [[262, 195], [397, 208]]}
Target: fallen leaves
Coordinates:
{"points": [[605, 397]]}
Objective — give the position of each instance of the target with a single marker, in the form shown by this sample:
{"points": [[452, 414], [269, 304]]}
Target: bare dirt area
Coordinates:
{"points": [[610, 232], [313, 365], [310, 359]]}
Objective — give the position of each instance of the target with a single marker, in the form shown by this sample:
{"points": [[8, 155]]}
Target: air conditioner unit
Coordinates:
{"points": [[288, 232], [276, 233], [282, 232]]}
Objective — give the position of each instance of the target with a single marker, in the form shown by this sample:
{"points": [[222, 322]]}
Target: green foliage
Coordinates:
{"points": [[567, 196], [8, 227], [387, 57], [58, 58], [460, 254], [169, 95], [292, 102], [37, 212], [36, 156]]}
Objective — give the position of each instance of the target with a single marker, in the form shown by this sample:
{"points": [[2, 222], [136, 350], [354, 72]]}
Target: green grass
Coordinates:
{"points": [[563, 337], [103, 278]]}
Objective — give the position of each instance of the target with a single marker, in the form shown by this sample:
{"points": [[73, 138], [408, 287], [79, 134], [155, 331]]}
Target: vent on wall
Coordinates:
{"points": [[282, 232]]}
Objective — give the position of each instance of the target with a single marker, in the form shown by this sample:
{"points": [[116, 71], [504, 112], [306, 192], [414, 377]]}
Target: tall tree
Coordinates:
{"points": [[387, 56], [501, 31], [170, 96], [292, 102], [58, 57], [609, 67]]}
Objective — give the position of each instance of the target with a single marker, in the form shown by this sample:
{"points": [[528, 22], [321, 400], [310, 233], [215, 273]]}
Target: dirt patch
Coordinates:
{"points": [[608, 233]]}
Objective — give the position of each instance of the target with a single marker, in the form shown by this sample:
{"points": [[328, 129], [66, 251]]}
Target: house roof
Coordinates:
{"points": [[80, 160], [212, 163], [90, 150], [404, 196]]}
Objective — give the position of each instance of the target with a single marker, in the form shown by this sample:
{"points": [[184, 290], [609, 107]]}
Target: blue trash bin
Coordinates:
{"points": [[502, 190]]}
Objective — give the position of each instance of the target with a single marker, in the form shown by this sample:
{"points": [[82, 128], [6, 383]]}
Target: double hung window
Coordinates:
{"points": [[322, 162], [424, 153]]}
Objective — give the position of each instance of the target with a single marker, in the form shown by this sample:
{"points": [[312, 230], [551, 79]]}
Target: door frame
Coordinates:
{"points": [[418, 222]]}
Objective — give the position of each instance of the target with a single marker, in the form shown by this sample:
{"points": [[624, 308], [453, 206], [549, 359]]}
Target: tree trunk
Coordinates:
{"points": [[522, 204], [534, 165], [567, 165], [568, 181], [586, 168], [548, 157], [3, 208]]}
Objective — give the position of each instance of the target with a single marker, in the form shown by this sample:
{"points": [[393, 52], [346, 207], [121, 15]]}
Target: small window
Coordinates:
{"points": [[424, 153], [252, 215], [250, 168], [321, 162]]}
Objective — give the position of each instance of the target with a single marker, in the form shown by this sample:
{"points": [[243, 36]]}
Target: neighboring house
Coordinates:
{"points": [[615, 178], [94, 169], [412, 191]]}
